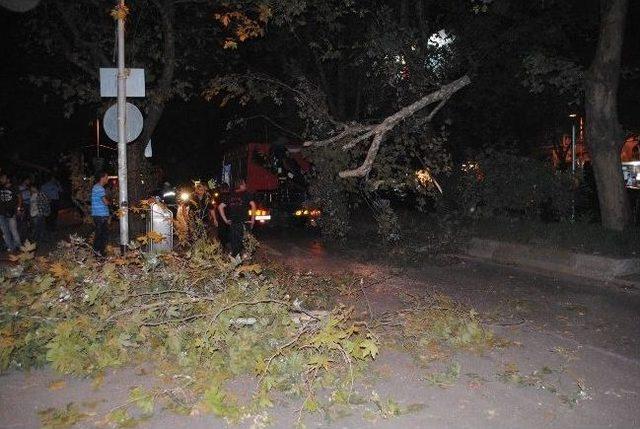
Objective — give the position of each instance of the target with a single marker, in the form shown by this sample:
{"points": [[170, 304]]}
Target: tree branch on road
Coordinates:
{"points": [[355, 133]]}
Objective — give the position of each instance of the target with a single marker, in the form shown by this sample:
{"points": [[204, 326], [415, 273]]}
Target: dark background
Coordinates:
{"points": [[191, 137]]}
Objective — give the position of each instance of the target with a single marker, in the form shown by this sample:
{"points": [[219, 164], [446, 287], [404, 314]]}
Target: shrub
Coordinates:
{"points": [[499, 184]]}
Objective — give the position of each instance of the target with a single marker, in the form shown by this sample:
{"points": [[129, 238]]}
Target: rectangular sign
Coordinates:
{"points": [[109, 82]]}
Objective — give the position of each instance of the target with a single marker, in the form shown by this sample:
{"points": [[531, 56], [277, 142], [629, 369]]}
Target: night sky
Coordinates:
{"points": [[191, 136]]}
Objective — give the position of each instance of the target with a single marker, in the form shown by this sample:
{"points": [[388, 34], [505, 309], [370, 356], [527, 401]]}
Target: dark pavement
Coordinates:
{"points": [[584, 335]]}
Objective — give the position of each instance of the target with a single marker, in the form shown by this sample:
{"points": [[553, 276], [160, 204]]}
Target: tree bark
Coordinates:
{"points": [[355, 133], [603, 130], [341, 94]]}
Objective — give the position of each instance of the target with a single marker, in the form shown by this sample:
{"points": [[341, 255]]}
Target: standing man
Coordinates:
{"points": [[100, 213], [39, 209], [223, 228], [52, 190], [233, 212], [9, 204], [24, 221]]}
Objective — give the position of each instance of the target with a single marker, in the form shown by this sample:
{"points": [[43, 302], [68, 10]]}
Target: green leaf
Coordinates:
{"points": [[369, 348], [143, 400]]}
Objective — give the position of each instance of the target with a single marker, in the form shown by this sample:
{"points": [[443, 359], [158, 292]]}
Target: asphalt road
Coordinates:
{"points": [[584, 335]]}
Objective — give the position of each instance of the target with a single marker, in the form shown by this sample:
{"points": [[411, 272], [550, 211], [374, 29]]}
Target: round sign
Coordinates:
{"points": [[132, 122], [19, 5]]}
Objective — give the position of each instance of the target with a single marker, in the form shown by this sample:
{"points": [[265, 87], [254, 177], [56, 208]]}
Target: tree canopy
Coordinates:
{"points": [[310, 71]]}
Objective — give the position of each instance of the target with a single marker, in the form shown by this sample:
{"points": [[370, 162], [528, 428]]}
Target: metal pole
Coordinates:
{"points": [[122, 138], [573, 148], [98, 137], [573, 167]]}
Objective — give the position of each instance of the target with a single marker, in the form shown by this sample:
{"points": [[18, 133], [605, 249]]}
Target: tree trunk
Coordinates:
{"points": [[604, 133], [140, 171]]}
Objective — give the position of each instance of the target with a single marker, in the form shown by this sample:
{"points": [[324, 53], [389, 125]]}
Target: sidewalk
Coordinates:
{"points": [[617, 272]]}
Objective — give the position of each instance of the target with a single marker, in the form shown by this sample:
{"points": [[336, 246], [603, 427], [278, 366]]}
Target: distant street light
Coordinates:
{"points": [[573, 162], [573, 142]]}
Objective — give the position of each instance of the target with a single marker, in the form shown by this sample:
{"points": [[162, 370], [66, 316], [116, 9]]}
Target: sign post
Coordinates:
{"points": [[123, 202]]}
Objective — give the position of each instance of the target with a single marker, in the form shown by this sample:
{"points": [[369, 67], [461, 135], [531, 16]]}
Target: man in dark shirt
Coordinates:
{"points": [[9, 204], [222, 196], [233, 212]]}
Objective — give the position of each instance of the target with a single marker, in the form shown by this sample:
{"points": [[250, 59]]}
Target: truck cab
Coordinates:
{"points": [[275, 174]]}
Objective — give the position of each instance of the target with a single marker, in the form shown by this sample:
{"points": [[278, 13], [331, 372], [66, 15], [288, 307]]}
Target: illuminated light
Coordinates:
{"points": [[263, 218], [573, 115], [306, 212], [169, 194], [216, 195], [425, 179], [470, 166], [298, 212], [440, 39], [185, 196]]}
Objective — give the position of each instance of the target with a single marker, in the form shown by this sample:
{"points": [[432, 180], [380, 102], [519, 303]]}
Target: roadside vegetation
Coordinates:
{"points": [[496, 196]]}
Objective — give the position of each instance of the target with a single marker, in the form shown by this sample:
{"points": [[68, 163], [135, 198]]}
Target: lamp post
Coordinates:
{"points": [[573, 117], [573, 142]]}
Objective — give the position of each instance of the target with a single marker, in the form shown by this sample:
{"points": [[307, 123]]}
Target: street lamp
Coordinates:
{"points": [[573, 143], [573, 116]]}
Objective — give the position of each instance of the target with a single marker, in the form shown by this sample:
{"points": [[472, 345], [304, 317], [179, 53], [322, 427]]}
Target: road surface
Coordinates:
{"points": [[575, 345]]}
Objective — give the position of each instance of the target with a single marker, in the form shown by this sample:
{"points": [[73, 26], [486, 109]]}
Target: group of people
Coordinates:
{"points": [[28, 210], [229, 214]]}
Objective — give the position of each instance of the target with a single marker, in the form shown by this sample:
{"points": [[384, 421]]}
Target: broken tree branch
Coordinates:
{"points": [[356, 133]]}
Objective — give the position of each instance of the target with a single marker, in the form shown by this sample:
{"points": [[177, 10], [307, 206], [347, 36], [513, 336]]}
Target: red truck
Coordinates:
{"points": [[276, 175]]}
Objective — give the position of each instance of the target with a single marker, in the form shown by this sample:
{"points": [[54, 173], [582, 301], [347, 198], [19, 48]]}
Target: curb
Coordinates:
{"points": [[594, 267]]}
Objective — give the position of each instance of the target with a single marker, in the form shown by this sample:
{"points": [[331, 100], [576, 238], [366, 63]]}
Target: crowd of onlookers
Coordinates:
{"points": [[28, 209]]}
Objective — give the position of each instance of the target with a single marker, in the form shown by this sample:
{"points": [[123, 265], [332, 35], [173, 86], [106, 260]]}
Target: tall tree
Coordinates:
{"points": [[604, 133], [173, 40]]}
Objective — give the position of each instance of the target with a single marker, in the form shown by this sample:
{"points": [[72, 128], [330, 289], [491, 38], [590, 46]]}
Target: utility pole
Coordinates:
{"points": [[123, 197], [573, 117], [98, 137]]}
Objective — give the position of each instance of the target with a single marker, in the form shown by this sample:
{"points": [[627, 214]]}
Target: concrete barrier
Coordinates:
{"points": [[554, 260]]}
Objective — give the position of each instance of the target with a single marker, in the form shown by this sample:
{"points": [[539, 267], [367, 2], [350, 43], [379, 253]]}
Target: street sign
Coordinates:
{"points": [[148, 150], [19, 5], [109, 82], [133, 122]]}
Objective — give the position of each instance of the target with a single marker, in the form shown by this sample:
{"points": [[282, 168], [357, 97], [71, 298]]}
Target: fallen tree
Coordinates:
{"points": [[350, 135], [415, 155], [202, 317]]}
